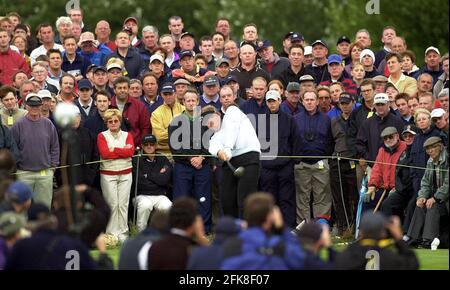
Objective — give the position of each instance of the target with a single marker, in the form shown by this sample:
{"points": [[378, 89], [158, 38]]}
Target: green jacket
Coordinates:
{"points": [[427, 189]]}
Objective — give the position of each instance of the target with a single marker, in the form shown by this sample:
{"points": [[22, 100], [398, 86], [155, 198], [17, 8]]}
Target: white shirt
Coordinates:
{"points": [[41, 50], [236, 136]]}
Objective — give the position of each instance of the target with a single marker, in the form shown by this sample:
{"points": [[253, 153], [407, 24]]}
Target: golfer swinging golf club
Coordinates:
{"points": [[236, 143]]}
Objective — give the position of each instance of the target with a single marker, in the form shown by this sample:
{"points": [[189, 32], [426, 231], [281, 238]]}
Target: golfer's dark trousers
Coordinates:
{"points": [[233, 190], [349, 192], [281, 183], [425, 222], [196, 183]]}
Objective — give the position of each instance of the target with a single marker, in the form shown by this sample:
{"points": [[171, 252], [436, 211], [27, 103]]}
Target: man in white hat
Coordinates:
{"points": [[432, 63]]}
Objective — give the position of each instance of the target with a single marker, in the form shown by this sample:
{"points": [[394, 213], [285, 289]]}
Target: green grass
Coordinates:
{"points": [[429, 260]]}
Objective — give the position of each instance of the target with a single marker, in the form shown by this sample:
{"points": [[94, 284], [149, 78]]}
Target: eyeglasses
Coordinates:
{"points": [[386, 138], [113, 121]]}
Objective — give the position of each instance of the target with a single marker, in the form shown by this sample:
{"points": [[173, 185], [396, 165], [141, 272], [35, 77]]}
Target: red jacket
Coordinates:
{"points": [[136, 118], [119, 160], [10, 63], [383, 172]]}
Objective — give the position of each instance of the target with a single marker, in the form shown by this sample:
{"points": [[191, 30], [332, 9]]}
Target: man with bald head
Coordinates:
{"points": [[103, 31]]}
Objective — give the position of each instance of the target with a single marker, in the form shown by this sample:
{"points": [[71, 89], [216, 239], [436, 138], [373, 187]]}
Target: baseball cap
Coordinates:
{"points": [[184, 53], [84, 84], [381, 98], [305, 78], [130, 18], [186, 34], [33, 100], [409, 129], [343, 38], [272, 95], [158, 57], [437, 113], [308, 50], [264, 44], [182, 81], [431, 141], [45, 94], [293, 86], [167, 88], [345, 98], [319, 41], [221, 61], [113, 65], [288, 35], [296, 37], [86, 37], [90, 67], [388, 131], [19, 192], [380, 78], [11, 223], [211, 81], [230, 78], [149, 138], [99, 68], [334, 58], [432, 48]]}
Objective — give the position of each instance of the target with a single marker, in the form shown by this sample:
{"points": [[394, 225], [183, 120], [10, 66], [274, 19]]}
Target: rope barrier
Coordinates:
{"points": [[263, 157]]}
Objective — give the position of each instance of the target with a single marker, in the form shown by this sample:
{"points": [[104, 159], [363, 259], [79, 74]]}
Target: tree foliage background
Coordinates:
{"points": [[421, 22]]}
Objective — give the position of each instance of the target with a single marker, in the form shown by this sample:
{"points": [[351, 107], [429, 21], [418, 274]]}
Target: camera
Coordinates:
{"points": [[309, 136]]}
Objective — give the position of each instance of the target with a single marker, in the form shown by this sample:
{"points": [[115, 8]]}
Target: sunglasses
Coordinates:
{"points": [[113, 121]]}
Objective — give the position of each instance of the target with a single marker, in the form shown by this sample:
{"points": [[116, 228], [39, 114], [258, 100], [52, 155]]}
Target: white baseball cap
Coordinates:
{"points": [[432, 48], [273, 95], [308, 50], [381, 98], [437, 113]]}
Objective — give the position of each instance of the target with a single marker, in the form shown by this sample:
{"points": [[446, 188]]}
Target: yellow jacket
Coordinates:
{"points": [[160, 120], [405, 85]]}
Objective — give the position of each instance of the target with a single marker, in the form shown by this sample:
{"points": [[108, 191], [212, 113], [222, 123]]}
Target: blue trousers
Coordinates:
{"points": [[195, 183], [280, 183]]}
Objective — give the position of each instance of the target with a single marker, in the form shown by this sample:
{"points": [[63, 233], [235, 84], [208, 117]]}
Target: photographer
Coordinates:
{"points": [[373, 251]]}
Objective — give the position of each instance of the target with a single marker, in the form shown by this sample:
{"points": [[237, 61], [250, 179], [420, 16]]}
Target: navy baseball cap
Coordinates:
{"points": [[99, 68], [149, 138], [168, 88], [84, 84], [230, 78], [264, 44], [345, 98], [19, 192], [184, 53], [186, 34], [296, 37], [343, 38]]}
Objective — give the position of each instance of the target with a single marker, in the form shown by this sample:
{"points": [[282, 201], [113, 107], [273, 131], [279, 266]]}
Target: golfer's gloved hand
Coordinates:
{"points": [[370, 194]]}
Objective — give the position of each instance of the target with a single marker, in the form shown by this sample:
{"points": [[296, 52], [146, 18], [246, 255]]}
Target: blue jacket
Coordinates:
{"points": [[419, 157], [251, 107], [79, 65], [314, 136], [247, 255], [133, 62], [97, 57], [286, 130], [151, 107], [217, 105], [434, 73], [286, 107]]}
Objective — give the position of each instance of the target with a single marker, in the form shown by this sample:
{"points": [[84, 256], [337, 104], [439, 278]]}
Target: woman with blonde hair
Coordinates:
{"points": [[116, 148]]}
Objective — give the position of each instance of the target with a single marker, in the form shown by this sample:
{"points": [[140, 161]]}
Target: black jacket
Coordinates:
{"points": [[283, 144], [354, 257], [150, 180], [188, 142], [7, 142], [288, 75], [368, 140], [403, 180]]}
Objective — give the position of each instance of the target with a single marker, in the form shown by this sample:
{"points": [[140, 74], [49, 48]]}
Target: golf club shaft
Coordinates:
{"points": [[231, 166]]}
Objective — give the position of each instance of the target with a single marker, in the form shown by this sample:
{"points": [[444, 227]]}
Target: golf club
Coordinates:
{"points": [[239, 172]]}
